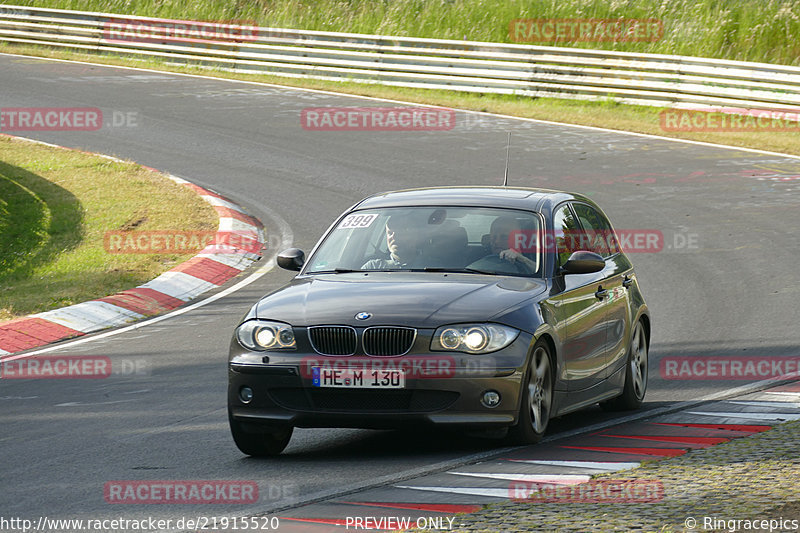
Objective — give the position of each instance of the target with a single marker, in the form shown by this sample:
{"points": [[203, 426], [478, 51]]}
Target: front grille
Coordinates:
{"points": [[333, 340], [388, 341], [397, 400]]}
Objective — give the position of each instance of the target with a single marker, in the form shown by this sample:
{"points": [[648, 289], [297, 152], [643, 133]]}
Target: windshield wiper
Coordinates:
{"points": [[337, 271], [459, 270]]}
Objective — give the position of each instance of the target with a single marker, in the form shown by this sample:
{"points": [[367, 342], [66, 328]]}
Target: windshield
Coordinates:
{"points": [[434, 239]]}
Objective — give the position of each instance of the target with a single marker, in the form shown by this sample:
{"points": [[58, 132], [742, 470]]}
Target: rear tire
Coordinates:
{"points": [[537, 398], [266, 443], [635, 374]]}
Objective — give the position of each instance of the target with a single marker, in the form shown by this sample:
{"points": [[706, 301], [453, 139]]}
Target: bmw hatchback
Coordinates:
{"points": [[472, 307]]}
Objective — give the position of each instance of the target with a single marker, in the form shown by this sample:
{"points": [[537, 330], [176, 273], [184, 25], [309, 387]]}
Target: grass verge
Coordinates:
{"points": [[604, 114], [55, 207]]}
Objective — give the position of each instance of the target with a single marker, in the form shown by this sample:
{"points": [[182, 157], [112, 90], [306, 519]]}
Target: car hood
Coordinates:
{"points": [[421, 300]]}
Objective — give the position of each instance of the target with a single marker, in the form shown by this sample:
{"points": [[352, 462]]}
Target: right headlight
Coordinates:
{"points": [[473, 338], [266, 335]]}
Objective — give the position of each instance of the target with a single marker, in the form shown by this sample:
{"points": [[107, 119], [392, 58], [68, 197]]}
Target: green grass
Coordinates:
{"points": [[24, 219], [766, 30], [55, 207]]}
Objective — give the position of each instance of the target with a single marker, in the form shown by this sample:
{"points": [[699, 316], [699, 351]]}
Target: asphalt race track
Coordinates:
{"points": [[722, 285]]}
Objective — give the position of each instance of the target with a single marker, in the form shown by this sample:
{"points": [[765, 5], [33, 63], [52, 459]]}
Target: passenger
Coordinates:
{"points": [[501, 230]]}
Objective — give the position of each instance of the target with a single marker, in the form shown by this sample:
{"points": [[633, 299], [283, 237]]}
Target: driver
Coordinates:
{"points": [[403, 238], [499, 235]]}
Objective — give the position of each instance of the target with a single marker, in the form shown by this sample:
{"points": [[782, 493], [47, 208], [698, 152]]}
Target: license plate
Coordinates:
{"points": [[350, 378]]}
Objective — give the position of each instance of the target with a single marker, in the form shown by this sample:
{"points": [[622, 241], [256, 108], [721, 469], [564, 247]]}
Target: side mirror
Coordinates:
{"points": [[292, 259], [583, 262]]}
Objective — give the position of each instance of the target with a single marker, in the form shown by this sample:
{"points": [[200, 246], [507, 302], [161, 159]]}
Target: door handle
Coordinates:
{"points": [[601, 293], [626, 282]]}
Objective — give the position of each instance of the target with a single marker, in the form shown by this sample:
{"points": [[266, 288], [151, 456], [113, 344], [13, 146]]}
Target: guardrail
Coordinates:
{"points": [[536, 71]]}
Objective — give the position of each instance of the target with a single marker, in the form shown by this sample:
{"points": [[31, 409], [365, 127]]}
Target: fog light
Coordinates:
{"points": [[491, 398], [246, 394]]}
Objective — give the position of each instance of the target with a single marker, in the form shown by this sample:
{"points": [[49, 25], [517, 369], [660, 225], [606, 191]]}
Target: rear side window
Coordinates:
{"points": [[566, 228], [597, 235]]}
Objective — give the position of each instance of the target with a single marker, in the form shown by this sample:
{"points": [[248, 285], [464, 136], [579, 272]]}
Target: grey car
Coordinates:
{"points": [[471, 307]]}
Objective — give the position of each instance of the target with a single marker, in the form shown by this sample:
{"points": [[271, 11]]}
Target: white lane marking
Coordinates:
{"points": [[180, 181], [237, 261], [213, 200], [592, 465], [230, 290], [81, 404], [787, 394], [550, 479], [224, 262], [89, 316], [179, 285], [234, 225], [472, 491], [756, 403], [752, 416], [17, 397], [376, 99]]}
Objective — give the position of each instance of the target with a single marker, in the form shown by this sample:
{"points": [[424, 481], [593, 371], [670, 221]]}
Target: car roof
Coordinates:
{"points": [[509, 197]]}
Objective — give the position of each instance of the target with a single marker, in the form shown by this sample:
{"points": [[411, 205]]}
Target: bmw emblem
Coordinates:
{"points": [[363, 315]]}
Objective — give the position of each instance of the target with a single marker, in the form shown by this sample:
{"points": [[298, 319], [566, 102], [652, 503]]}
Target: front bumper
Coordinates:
{"points": [[283, 395]]}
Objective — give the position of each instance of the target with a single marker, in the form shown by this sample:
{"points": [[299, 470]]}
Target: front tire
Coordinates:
{"points": [[267, 443], [537, 398], [635, 374]]}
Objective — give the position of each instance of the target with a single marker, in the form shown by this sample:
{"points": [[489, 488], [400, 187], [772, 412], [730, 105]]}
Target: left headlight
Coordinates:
{"points": [[266, 335], [473, 338]]}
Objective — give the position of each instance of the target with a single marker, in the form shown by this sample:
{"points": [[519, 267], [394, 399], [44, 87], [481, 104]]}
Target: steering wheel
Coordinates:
{"points": [[495, 263]]}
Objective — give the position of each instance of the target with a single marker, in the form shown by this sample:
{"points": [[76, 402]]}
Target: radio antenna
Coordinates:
{"points": [[508, 148]]}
